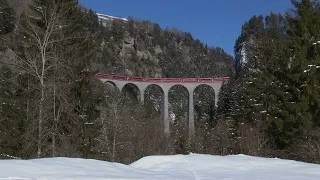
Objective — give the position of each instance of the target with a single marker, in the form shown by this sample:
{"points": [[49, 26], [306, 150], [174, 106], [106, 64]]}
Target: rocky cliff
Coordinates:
{"points": [[141, 48]]}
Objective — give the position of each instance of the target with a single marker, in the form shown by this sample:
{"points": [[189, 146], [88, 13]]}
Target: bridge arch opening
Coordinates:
{"points": [[154, 108], [204, 105], [154, 99], [111, 90], [178, 98], [110, 84], [132, 92]]}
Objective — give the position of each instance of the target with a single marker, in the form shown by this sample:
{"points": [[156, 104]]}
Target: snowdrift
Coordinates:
{"points": [[179, 167]]}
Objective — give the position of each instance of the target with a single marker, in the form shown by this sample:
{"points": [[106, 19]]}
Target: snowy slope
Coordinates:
{"points": [[179, 167]]}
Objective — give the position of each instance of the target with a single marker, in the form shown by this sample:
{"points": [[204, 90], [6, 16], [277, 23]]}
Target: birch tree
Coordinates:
{"points": [[54, 49], [111, 122]]}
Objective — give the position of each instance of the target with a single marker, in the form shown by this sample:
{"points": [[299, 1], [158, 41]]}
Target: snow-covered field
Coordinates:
{"points": [[184, 167]]}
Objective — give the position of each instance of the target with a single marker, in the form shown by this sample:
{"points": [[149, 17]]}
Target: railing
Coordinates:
{"points": [[185, 80]]}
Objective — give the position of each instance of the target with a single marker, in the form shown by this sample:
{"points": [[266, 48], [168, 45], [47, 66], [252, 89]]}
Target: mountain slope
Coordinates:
{"points": [[141, 48]]}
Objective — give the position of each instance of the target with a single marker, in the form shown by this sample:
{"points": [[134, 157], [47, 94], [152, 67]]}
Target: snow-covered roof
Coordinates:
{"points": [[110, 18]]}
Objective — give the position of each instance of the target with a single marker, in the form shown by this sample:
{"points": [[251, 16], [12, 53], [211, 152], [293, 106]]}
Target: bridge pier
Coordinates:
{"points": [[191, 112], [166, 122], [216, 96], [142, 95]]}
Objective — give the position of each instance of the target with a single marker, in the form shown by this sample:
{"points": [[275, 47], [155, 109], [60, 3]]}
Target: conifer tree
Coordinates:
{"points": [[12, 114], [301, 75], [261, 47]]}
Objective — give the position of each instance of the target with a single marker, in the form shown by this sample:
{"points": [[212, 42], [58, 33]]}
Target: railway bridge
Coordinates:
{"points": [[166, 84]]}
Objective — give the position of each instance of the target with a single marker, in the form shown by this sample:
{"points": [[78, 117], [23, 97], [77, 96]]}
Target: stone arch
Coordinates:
{"points": [[132, 91], [110, 88], [154, 85], [204, 103], [111, 83]]}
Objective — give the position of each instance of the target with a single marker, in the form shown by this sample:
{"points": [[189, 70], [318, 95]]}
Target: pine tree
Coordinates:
{"points": [[12, 114], [281, 82], [303, 79], [263, 87]]}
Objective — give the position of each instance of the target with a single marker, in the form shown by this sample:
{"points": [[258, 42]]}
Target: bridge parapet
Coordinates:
{"points": [[163, 80]]}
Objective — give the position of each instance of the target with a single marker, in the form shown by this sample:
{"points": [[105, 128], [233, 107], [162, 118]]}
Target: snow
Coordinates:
{"points": [[110, 18], [8, 156], [316, 43], [88, 123], [179, 167]]}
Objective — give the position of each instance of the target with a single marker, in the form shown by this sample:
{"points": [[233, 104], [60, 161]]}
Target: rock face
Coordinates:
{"points": [[142, 48], [127, 47]]}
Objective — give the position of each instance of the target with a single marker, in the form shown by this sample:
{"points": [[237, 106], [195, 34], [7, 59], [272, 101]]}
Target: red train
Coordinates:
{"points": [[177, 80]]}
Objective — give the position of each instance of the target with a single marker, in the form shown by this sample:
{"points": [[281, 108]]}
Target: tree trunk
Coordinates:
{"points": [[55, 115], [53, 134], [114, 134], [40, 121], [114, 146]]}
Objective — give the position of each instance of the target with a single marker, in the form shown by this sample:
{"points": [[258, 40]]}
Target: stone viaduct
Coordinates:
{"points": [[165, 84]]}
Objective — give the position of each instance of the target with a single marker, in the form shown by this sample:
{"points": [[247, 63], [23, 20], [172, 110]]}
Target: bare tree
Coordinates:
{"points": [[42, 57], [111, 120]]}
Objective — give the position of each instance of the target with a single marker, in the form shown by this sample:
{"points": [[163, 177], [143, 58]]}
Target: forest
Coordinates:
{"points": [[270, 107]]}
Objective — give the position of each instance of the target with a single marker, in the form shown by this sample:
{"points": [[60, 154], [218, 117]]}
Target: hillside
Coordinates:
{"points": [[141, 48]]}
